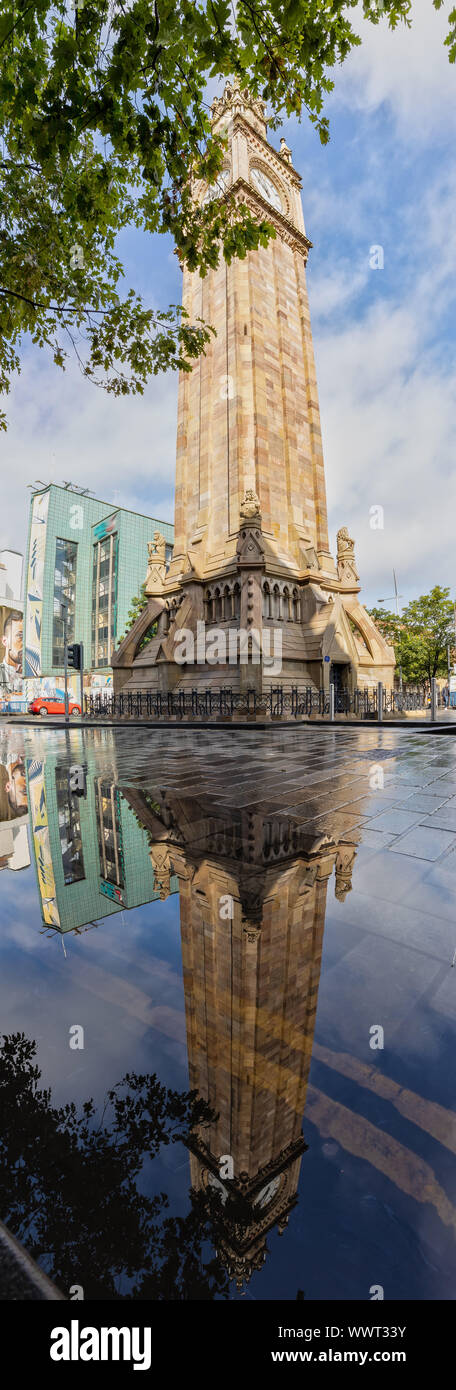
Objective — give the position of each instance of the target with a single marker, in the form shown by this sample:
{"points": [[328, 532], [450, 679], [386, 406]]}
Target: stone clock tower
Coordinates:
{"points": [[251, 546]]}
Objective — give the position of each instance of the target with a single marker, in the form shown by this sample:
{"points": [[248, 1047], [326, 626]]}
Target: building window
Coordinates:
{"points": [[69, 829], [110, 839], [66, 555], [104, 600]]}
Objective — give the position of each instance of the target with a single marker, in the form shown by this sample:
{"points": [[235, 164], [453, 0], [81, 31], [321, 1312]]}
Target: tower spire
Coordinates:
{"points": [[237, 101]]}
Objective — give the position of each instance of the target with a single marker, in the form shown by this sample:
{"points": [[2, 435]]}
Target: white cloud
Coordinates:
{"points": [[62, 428], [388, 401], [333, 292], [406, 68]]}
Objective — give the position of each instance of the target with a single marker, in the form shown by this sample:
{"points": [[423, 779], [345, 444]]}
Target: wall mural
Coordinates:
{"points": [[11, 630], [41, 842], [51, 686], [35, 579], [13, 789]]}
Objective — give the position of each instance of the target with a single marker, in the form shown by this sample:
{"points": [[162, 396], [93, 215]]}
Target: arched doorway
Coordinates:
{"points": [[339, 677]]}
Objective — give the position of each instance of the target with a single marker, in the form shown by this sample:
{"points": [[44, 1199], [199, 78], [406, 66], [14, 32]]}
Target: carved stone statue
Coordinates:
{"points": [[250, 506], [346, 565], [157, 548], [156, 567], [344, 869]]}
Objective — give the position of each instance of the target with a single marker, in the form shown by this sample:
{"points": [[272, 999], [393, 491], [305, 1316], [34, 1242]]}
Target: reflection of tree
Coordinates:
{"points": [[71, 1186]]}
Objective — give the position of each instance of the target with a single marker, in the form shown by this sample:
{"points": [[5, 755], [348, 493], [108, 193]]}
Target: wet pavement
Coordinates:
{"points": [[241, 947]]}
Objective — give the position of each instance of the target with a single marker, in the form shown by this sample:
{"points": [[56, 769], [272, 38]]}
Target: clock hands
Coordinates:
{"points": [[266, 187]]}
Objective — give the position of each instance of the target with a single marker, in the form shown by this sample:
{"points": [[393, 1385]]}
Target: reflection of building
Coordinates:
{"points": [[92, 555], [14, 846], [91, 856], [11, 564], [251, 548], [252, 896]]}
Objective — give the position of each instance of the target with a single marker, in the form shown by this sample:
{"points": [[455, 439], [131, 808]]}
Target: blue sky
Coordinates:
{"points": [[384, 339]]}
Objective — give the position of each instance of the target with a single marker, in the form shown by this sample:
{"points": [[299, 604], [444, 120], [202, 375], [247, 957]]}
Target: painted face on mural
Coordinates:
{"points": [[12, 641], [16, 787]]}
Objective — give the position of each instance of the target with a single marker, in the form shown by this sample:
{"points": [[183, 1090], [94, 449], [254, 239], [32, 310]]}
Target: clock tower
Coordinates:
{"points": [[248, 416], [251, 547]]}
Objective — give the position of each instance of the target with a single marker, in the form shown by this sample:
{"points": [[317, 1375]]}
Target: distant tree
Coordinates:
{"points": [[73, 1188], [428, 628], [388, 624], [420, 634]]}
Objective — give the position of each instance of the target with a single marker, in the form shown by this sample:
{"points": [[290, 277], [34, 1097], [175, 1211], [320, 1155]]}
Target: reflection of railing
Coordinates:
{"points": [[275, 703]]}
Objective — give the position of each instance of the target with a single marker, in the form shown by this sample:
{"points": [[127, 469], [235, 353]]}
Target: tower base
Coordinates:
{"points": [[253, 620]]}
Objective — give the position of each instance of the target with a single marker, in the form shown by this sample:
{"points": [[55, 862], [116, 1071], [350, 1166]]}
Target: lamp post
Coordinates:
{"points": [[64, 605], [396, 597]]}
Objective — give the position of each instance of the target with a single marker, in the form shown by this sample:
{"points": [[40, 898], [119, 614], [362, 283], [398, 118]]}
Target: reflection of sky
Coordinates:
{"points": [[122, 981], [377, 1180]]}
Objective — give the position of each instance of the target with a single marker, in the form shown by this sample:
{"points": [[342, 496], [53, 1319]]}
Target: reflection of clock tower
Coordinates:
{"points": [[251, 545], [252, 936], [252, 889]]}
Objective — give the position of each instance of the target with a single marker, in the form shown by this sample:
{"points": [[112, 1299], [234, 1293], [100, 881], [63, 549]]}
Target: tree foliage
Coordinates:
{"points": [[73, 1186], [106, 126], [137, 606], [420, 634]]}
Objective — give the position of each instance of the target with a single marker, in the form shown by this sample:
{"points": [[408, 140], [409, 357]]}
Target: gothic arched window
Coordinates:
{"points": [[226, 610]]}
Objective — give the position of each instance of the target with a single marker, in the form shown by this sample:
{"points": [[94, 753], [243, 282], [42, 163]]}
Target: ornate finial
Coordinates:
{"points": [[285, 150]]}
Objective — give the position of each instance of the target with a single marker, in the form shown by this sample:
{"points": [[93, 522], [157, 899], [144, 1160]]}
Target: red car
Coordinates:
{"points": [[49, 706]]}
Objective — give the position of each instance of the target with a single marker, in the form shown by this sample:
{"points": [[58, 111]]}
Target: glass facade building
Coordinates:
{"points": [[104, 600], [66, 559], [82, 554]]}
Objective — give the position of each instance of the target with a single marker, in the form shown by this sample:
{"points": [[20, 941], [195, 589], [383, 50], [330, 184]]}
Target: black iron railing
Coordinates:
{"points": [[226, 703]]}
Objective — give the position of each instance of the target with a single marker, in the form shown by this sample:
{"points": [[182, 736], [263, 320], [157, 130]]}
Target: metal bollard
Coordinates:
{"points": [[331, 701], [380, 702], [433, 699]]}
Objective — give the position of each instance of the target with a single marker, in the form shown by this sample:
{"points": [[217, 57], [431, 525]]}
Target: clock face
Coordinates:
{"points": [[266, 187], [267, 1193], [216, 189]]}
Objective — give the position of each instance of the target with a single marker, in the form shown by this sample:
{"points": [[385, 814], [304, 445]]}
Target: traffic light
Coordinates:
{"points": [[74, 655]]}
